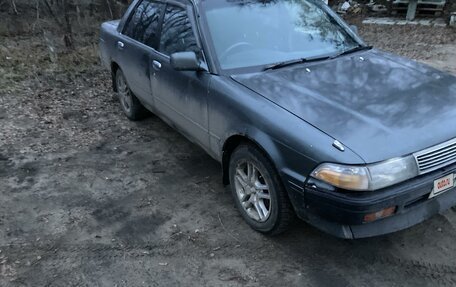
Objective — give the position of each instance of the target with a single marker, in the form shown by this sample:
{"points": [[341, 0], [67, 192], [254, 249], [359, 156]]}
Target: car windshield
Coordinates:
{"points": [[255, 33]]}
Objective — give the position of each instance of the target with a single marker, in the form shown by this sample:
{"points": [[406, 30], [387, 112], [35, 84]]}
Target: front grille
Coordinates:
{"points": [[436, 157]]}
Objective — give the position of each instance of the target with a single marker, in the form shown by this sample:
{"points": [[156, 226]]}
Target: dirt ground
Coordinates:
{"points": [[89, 198]]}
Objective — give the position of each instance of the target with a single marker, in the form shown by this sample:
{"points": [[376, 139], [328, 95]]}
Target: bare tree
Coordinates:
{"points": [[68, 37], [110, 9], [66, 25], [14, 7], [37, 6]]}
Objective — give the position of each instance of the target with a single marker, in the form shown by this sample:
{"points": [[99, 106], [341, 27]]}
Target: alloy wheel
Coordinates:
{"points": [[125, 96], [252, 191]]}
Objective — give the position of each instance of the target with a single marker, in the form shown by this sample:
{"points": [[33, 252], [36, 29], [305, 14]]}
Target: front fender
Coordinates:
{"points": [[294, 146]]}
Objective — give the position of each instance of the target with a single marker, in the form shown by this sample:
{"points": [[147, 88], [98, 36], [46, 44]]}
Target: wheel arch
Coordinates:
{"points": [[264, 144]]}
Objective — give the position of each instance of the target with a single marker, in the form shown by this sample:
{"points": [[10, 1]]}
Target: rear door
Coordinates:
{"points": [[139, 37], [180, 96]]}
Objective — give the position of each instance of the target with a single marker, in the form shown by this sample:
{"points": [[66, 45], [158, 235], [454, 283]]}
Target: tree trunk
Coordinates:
{"points": [[66, 26], [13, 6], [68, 37]]}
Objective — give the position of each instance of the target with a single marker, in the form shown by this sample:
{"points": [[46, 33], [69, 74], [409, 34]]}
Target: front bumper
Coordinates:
{"points": [[342, 213]]}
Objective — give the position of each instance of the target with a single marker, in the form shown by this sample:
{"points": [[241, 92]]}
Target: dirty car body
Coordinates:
{"points": [[363, 141]]}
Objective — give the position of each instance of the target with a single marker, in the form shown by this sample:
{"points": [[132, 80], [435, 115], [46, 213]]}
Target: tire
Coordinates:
{"points": [[250, 194], [131, 106]]}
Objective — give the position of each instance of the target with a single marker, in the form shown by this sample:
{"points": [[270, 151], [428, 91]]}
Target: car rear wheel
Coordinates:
{"points": [[131, 106], [258, 191]]}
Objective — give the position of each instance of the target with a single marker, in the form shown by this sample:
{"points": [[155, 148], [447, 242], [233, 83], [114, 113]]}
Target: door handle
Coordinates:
{"points": [[157, 65], [120, 45]]}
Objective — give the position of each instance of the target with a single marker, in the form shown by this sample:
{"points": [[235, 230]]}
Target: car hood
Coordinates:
{"points": [[379, 105]]}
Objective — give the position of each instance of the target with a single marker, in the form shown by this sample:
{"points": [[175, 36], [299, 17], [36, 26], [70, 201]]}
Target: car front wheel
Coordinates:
{"points": [[258, 191]]}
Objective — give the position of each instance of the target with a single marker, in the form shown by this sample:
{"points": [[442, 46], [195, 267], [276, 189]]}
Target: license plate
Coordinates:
{"points": [[443, 184]]}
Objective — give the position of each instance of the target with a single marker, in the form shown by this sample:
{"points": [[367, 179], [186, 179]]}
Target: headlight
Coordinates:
{"points": [[367, 177]]}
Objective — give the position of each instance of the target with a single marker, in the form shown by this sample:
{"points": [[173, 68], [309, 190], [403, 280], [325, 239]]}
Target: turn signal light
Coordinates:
{"points": [[380, 214]]}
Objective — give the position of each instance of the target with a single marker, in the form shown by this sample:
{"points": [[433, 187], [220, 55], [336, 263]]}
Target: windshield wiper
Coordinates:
{"points": [[306, 60], [293, 62], [352, 50]]}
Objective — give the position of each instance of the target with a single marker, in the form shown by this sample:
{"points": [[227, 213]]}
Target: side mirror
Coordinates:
{"points": [[185, 61], [354, 28]]}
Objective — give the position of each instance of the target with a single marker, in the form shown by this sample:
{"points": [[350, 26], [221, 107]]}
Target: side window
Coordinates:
{"points": [[143, 24], [177, 33]]}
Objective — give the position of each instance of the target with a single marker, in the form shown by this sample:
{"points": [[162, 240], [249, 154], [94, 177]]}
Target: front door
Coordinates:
{"points": [[180, 96]]}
